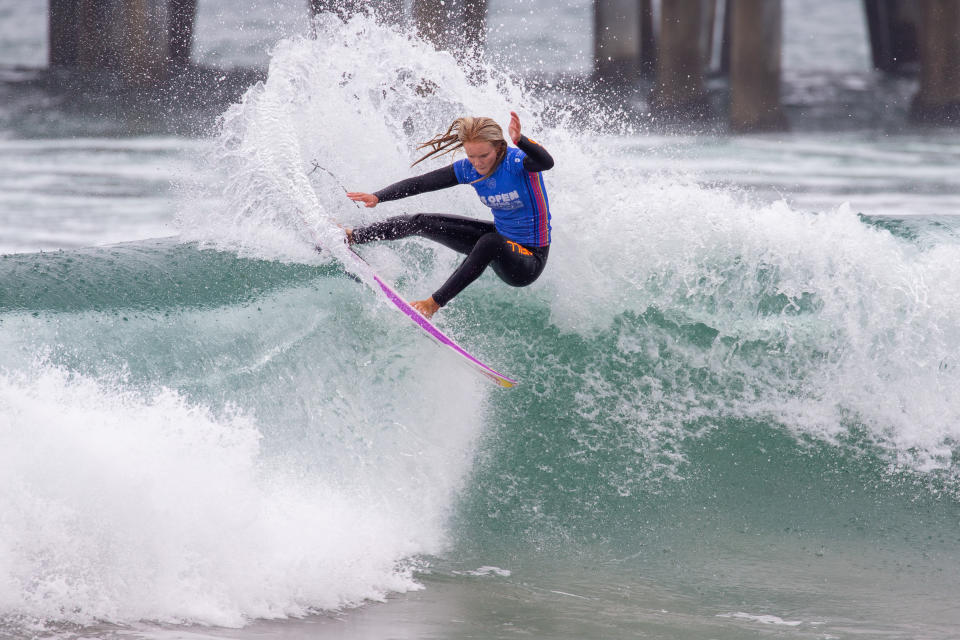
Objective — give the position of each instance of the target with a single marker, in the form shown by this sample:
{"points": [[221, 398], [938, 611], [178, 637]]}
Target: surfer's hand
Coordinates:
{"points": [[514, 127], [368, 199], [426, 307]]}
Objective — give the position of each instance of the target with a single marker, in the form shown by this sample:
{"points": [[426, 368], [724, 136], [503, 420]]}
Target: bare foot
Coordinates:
{"points": [[347, 232], [426, 307]]}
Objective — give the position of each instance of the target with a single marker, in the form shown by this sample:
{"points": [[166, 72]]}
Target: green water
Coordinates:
{"points": [[634, 485], [737, 414]]}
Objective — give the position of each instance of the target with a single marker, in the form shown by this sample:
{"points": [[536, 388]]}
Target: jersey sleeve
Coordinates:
{"points": [[514, 161], [537, 158], [463, 169]]}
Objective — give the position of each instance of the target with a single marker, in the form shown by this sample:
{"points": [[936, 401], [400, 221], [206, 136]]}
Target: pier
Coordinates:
{"points": [[144, 41], [673, 45]]}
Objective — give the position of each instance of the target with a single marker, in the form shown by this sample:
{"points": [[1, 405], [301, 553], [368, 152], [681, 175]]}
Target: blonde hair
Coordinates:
{"points": [[467, 129]]}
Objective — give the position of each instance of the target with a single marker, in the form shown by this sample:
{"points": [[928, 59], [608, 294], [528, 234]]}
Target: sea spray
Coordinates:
{"points": [[234, 453], [118, 508], [803, 318], [357, 99], [710, 381]]}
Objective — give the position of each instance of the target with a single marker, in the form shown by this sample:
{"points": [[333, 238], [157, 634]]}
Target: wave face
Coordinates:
{"points": [[189, 436], [228, 427]]}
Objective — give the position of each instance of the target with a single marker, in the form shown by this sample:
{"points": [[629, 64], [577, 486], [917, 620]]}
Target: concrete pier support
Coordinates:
{"points": [[468, 26], [343, 8], [893, 28], [938, 100], [457, 25], [141, 40], [430, 21], [386, 10], [755, 37], [723, 68], [686, 30], [183, 15], [624, 45], [62, 32]]}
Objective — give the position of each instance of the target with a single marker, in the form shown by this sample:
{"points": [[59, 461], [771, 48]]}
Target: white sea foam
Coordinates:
{"points": [[860, 327], [356, 101], [118, 506], [486, 571], [763, 619], [865, 330], [121, 504]]}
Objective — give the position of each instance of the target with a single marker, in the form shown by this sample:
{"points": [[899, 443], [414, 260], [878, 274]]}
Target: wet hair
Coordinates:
{"points": [[467, 130]]}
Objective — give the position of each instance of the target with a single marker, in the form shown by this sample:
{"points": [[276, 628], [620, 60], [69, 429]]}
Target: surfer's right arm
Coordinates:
{"points": [[431, 181]]}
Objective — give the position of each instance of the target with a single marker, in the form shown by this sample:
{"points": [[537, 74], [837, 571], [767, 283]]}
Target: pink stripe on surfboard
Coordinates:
{"points": [[428, 326]]}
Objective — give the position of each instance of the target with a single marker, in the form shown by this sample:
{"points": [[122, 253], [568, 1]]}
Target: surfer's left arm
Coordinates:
{"points": [[538, 159]]}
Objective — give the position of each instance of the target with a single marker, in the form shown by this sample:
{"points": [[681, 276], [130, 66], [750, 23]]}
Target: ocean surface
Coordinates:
{"points": [[738, 413]]}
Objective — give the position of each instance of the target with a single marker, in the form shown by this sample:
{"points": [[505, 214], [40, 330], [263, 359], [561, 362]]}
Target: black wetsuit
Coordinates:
{"points": [[516, 264]]}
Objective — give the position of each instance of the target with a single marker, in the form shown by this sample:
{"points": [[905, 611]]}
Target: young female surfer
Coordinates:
{"points": [[507, 179]]}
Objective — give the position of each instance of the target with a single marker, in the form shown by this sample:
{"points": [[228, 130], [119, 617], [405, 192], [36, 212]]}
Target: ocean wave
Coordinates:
{"points": [[688, 351]]}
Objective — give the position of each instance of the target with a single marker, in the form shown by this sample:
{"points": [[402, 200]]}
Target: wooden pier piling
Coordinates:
{"points": [[385, 10], [468, 26], [686, 30], [183, 15], [938, 99], [458, 25], [624, 48], [146, 41], [893, 27], [140, 40], [62, 33], [755, 37], [430, 21]]}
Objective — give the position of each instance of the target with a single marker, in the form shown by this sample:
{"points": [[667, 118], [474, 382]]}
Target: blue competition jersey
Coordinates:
{"points": [[517, 198]]}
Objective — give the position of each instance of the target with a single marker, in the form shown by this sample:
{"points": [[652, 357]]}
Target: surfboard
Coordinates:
{"points": [[426, 326]]}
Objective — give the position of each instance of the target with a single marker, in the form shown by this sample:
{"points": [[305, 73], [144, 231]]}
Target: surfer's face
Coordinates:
{"points": [[481, 154]]}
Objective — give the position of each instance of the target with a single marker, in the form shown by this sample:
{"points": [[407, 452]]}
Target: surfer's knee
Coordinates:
{"points": [[415, 224], [421, 222], [489, 244]]}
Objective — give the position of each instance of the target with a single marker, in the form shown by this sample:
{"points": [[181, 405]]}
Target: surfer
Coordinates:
{"points": [[507, 179]]}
